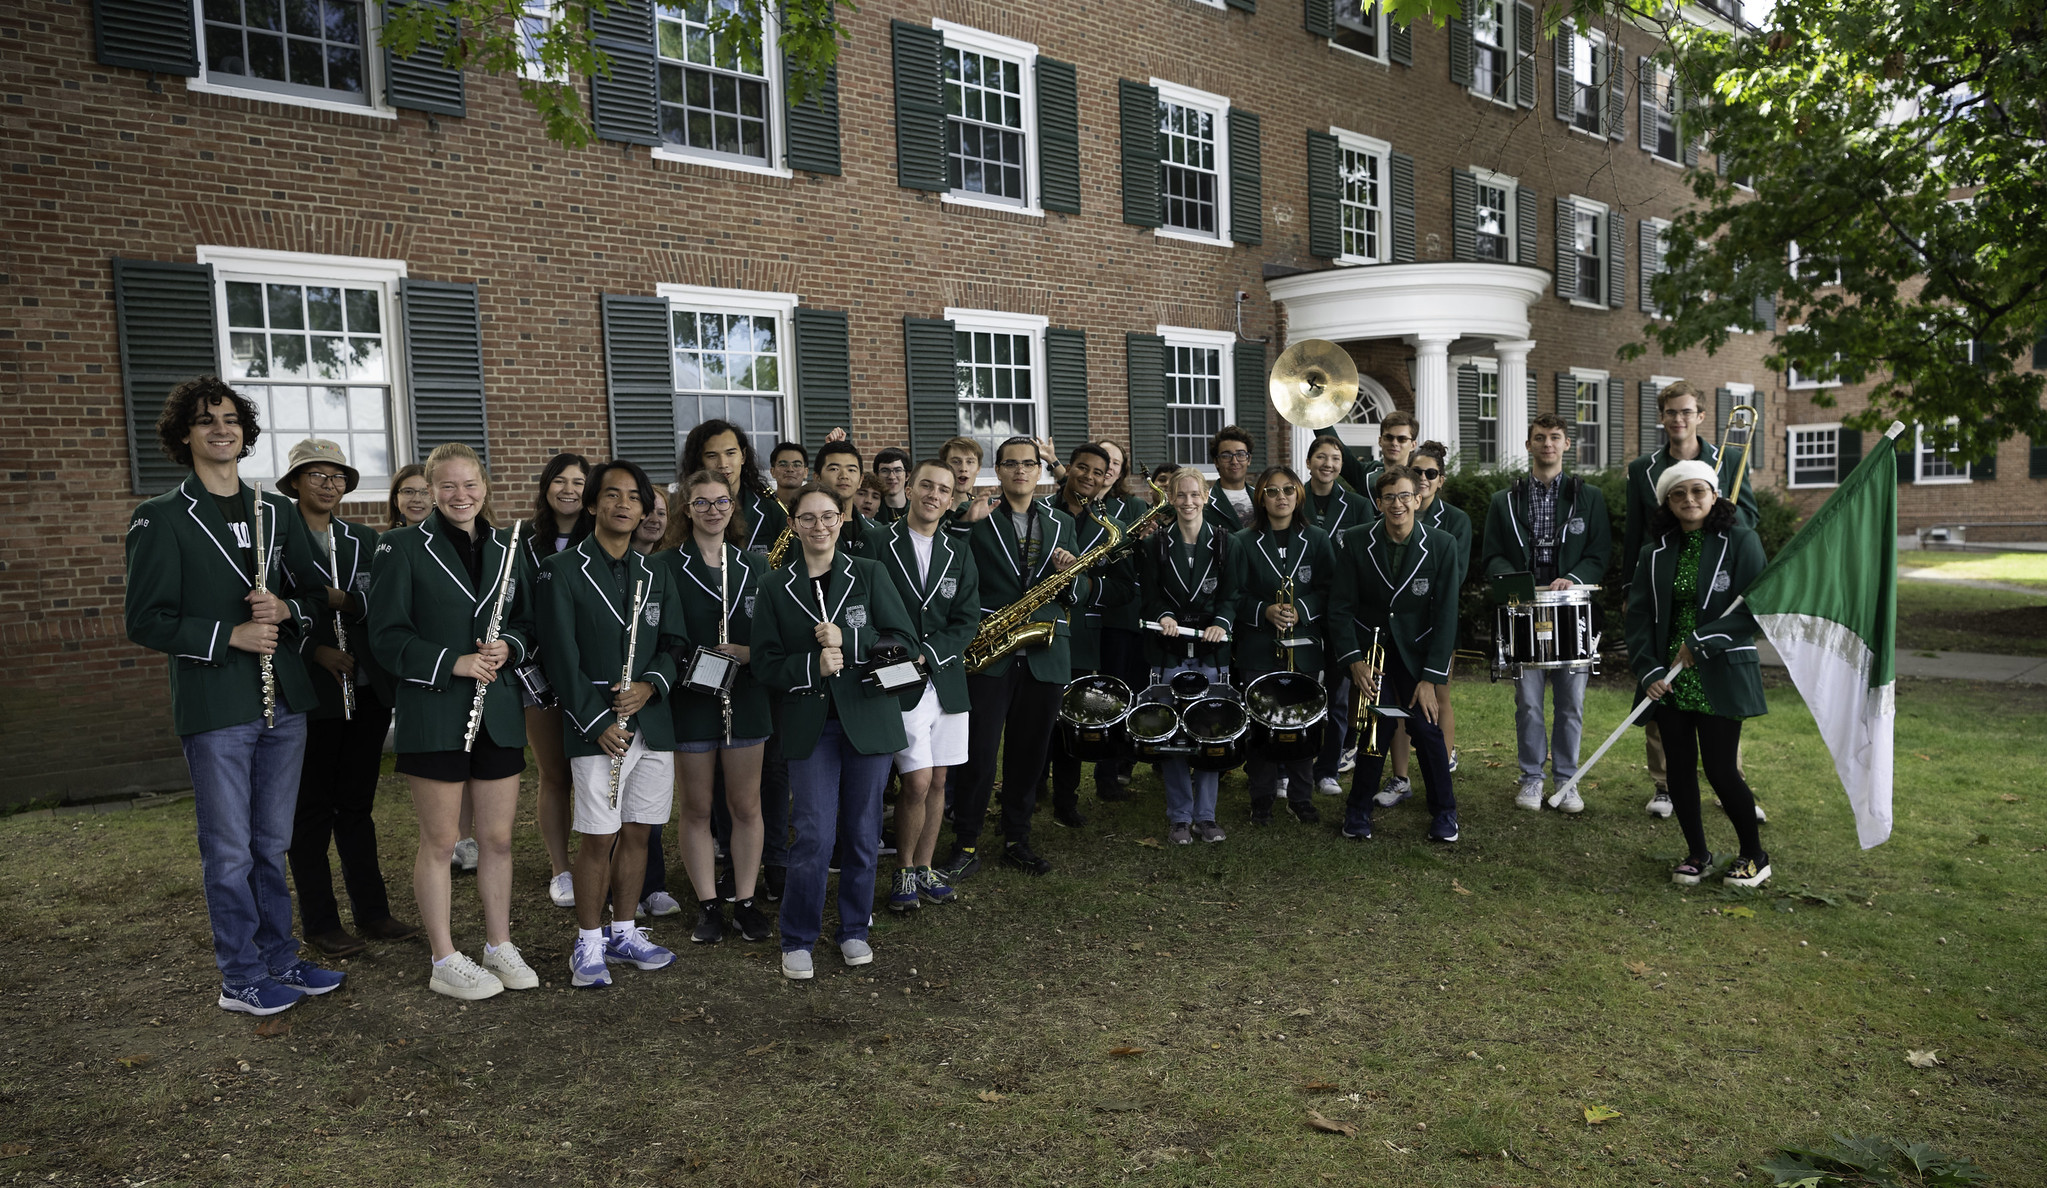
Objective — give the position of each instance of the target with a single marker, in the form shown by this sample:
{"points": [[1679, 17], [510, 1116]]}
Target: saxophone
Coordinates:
{"points": [[778, 553]]}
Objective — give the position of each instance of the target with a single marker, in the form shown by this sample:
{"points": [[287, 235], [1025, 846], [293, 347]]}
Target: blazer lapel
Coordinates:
{"points": [[1707, 580], [437, 546], [598, 573], [794, 584], [200, 506]]}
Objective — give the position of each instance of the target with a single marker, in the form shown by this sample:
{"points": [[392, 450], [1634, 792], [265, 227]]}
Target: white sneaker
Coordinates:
{"points": [[1571, 803], [796, 965], [511, 969], [1395, 791], [562, 889], [660, 903], [1453, 760], [1760, 814], [459, 977], [1348, 760], [1529, 796], [1659, 804], [856, 952], [464, 857], [1328, 786]]}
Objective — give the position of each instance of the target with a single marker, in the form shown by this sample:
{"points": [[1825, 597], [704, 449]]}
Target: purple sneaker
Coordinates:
{"points": [[632, 947], [266, 997], [586, 963], [307, 978]]}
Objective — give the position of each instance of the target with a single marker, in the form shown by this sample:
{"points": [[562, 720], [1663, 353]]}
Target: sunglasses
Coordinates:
{"points": [[1430, 474]]}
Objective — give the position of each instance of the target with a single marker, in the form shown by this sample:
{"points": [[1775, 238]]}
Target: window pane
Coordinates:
{"points": [[1187, 177], [713, 95], [287, 309]]}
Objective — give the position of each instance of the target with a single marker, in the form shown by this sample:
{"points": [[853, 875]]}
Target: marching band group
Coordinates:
{"points": [[769, 647]]}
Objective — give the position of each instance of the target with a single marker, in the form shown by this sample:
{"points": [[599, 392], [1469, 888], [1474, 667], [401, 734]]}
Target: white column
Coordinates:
{"points": [[1513, 424], [1432, 389]]}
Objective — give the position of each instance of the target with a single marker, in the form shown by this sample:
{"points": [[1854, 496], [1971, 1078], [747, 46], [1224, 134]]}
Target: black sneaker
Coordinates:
{"points": [[710, 927], [1304, 812], [772, 880], [1261, 812], [963, 864], [1020, 856], [750, 922], [1069, 817]]}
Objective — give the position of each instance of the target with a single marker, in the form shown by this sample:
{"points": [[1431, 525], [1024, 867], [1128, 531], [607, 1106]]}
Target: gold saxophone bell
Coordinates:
{"points": [[1313, 383], [778, 553]]}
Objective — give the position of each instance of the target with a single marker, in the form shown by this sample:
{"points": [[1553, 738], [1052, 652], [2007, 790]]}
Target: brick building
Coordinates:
{"points": [[1100, 218]]}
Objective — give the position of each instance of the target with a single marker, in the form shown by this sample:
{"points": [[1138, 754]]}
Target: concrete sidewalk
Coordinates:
{"points": [[1950, 666], [1935, 575]]}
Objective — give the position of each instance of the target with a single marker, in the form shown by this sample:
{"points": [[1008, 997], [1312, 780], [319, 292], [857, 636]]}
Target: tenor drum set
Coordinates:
{"points": [[1210, 724]]}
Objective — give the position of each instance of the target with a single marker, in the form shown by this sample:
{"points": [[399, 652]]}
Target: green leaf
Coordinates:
{"points": [[1741, 913]]}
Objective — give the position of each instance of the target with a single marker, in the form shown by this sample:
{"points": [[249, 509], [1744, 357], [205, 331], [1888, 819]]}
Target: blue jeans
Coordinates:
{"points": [[835, 796], [1562, 748], [1190, 794], [245, 788]]}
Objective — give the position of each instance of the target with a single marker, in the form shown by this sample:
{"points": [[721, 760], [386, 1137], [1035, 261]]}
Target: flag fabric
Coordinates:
{"points": [[1829, 602]]}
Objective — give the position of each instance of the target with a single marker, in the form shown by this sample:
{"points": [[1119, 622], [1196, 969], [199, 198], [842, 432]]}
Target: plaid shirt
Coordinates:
{"points": [[1542, 527]]}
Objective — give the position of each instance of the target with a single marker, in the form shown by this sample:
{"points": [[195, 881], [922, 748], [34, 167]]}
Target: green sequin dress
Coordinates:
{"points": [[1686, 691]]}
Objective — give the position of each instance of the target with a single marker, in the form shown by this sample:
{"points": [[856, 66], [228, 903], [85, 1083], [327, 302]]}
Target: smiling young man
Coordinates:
{"points": [[1229, 498], [192, 594], [1086, 480], [892, 467], [791, 466], [1399, 433], [725, 450]]}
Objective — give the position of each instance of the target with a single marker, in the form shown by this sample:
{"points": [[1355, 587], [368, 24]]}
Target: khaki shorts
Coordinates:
{"points": [[646, 789], [937, 739]]}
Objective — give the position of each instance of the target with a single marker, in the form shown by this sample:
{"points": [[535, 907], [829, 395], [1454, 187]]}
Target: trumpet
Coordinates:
{"points": [[1365, 724]]}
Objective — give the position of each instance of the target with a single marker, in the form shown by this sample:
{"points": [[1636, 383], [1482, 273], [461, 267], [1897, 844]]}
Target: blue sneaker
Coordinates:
{"points": [[902, 896], [586, 963], [266, 997], [933, 888], [307, 978], [632, 947], [1358, 830], [1444, 827]]}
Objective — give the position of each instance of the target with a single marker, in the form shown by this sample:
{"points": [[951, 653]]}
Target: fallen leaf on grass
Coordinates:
{"points": [[135, 1061], [1922, 1057], [10, 1150], [1330, 1125], [1596, 1114], [764, 1049], [1319, 1087], [1150, 841], [1125, 1050], [1459, 887], [1298, 1012], [1396, 1148], [1639, 968], [1741, 913], [272, 1029], [2008, 798], [1495, 763], [990, 1095]]}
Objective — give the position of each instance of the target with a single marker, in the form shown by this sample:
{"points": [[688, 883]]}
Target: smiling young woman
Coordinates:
{"points": [[559, 522]]}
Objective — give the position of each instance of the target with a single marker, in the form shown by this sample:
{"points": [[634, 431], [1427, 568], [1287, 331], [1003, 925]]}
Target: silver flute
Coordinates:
{"points": [[268, 666], [724, 617], [496, 628], [625, 679], [341, 630]]}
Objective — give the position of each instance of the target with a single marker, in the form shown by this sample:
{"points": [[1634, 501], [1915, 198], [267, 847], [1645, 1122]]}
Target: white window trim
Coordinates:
{"points": [[1794, 258], [301, 267], [1589, 375], [780, 306], [1804, 384], [1209, 3], [1383, 57], [1004, 322], [1512, 185], [966, 37], [372, 73], [1604, 46], [529, 69], [1663, 70], [1509, 45], [1791, 433], [1224, 341], [1361, 143], [1923, 452], [1605, 213], [778, 116], [1219, 105]]}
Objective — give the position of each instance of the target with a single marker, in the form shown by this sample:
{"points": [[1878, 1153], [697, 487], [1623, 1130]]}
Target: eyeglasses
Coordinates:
{"points": [[817, 519], [1431, 474], [1681, 414], [1018, 464], [414, 492], [721, 503], [321, 478], [1396, 438], [1401, 499], [1233, 455]]}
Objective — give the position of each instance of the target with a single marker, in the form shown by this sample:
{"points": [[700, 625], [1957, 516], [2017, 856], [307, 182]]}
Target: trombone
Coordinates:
{"points": [[1740, 431]]}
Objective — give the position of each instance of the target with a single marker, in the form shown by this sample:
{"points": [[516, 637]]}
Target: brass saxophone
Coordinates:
{"points": [[778, 553]]}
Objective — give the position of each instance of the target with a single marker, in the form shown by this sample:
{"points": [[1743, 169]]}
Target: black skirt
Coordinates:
{"points": [[486, 761]]}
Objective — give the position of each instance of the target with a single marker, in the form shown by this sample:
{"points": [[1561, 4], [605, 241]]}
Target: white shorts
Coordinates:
{"points": [[937, 739], [646, 789]]}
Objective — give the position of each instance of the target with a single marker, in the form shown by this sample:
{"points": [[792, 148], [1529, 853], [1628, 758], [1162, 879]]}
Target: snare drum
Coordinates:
{"points": [[1553, 631], [1288, 711], [711, 672], [1092, 715], [1216, 727]]}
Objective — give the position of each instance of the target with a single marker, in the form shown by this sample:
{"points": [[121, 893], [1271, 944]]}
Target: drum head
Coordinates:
{"points": [[1286, 701], [1189, 686], [1215, 720], [1153, 722], [1094, 701]]}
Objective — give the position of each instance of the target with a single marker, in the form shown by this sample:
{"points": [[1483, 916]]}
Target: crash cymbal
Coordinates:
{"points": [[1313, 383]]}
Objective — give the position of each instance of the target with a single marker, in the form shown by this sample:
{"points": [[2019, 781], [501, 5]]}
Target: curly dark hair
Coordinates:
{"points": [[692, 458], [1665, 525], [182, 407]]}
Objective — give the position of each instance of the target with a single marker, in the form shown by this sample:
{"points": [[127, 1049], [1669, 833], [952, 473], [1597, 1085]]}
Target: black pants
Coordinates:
{"points": [[1265, 774], [1690, 739], [337, 790], [1397, 688], [1028, 708]]}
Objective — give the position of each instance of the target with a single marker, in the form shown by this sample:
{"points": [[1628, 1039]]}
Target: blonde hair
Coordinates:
{"points": [[455, 451], [1186, 472]]}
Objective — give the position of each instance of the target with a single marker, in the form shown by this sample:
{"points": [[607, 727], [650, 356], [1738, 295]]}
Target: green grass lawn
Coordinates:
{"points": [[1937, 616], [2022, 569], [1460, 1007]]}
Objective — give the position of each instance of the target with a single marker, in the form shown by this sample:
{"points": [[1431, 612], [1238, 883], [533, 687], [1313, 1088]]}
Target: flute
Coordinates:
{"points": [[491, 633], [264, 661], [625, 679], [724, 616], [340, 631]]}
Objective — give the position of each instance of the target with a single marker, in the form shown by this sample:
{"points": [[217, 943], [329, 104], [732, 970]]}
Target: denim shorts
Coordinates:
{"points": [[706, 746]]}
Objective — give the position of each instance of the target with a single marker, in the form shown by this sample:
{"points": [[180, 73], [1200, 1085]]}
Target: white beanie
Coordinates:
{"points": [[1683, 472]]}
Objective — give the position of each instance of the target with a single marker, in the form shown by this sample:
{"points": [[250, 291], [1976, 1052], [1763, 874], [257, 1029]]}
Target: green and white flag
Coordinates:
{"points": [[1829, 602]]}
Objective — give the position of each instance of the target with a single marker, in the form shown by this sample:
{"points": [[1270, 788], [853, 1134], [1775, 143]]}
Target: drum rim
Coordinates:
{"points": [[1152, 740], [1573, 596], [1321, 715], [1243, 726], [1097, 679]]}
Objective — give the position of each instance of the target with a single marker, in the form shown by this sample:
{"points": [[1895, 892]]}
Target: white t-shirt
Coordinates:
{"points": [[1240, 500], [921, 545]]}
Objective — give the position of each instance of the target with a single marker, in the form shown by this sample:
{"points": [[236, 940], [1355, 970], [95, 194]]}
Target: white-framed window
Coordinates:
{"points": [[535, 17], [1590, 242], [1815, 453], [1794, 378], [1592, 59], [1938, 465], [1367, 194], [1487, 446], [991, 118], [1654, 266], [1589, 431], [312, 53], [1361, 28], [732, 355], [1494, 215], [1492, 50], [1659, 84], [1200, 398], [719, 97], [1820, 271], [1194, 175], [312, 341], [999, 370]]}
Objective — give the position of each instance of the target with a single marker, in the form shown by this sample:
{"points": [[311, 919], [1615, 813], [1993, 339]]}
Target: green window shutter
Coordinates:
{"points": [[1249, 360], [155, 35], [1463, 215], [1847, 452], [1616, 259], [1985, 468], [1645, 99], [1247, 179], [1066, 384], [1144, 357], [1567, 256], [1402, 168], [1467, 417], [1524, 56], [444, 365], [1525, 225], [2036, 458], [421, 83], [1138, 111], [824, 372], [1686, 107], [1766, 311], [1649, 259], [1399, 42], [1908, 455], [1325, 196], [1243, 5], [1320, 18], [1567, 406], [1460, 52], [639, 377], [164, 316], [1616, 92], [931, 359], [1615, 451], [1649, 422], [1564, 82], [814, 128], [1058, 136], [2040, 353], [920, 107], [622, 106], [1723, 405]]}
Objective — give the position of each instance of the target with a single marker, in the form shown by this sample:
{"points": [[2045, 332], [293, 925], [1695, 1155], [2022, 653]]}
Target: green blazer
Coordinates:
{"points": [[1221, 512], [1109, 586], [1724, 641], [1202, 596], [765, 519], [864, 603], [1641, 510], [424, 616], [698, 716], [1256, 574], [1123, 616], [945, 607], [187, 587], [853, 538], [1415, 608], [1447, 517], [355, 546], [1584, 543], [581, 608], [999, 559], [1347, 510]]}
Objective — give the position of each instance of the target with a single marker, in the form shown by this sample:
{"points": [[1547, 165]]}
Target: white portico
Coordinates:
{"points": [[1429, 306]]}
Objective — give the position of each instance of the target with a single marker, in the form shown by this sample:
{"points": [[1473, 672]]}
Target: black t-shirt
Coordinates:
{"points": [[237, 518], [819, 590], [469, 549]]}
